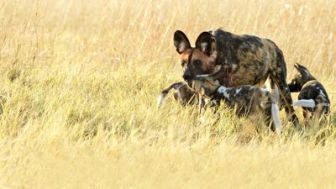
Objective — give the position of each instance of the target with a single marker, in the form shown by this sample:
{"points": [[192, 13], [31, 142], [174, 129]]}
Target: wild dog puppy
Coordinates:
{"points": [[246, 99], [241, 59], [183, 94], [313, 97]]}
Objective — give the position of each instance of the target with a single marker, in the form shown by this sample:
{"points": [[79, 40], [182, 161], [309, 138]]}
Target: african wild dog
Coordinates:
{"points": [[246, 100], [241, 60], [313, 97], [183, 94]]}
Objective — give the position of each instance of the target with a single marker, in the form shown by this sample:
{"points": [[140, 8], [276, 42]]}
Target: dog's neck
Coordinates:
{"points": [[310, 78]]}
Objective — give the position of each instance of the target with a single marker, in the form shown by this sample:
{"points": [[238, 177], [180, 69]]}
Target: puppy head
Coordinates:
{"points": [[302, 77]]}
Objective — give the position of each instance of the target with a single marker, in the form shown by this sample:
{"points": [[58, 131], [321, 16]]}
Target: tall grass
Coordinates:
{"points": [[79, 81]]}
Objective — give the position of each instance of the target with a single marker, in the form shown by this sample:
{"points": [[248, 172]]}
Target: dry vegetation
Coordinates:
{"points": [[79, 81]]}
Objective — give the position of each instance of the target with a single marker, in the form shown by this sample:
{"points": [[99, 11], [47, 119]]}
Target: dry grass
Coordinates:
{"points": [[79, 81]]}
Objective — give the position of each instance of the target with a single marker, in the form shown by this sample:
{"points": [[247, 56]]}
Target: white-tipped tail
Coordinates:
{"points": [[276, 118], [275, 93], [160, 99], [305, 103]]}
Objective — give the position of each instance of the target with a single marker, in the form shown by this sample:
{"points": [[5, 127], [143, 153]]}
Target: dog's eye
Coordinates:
{"points": [[183, 63], [197, 62]]}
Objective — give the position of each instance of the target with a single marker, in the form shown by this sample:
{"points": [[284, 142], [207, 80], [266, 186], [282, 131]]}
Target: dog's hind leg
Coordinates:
{"points": [[319, 112], [272, 114], [278, 76], [305, 113], [274, 90]]}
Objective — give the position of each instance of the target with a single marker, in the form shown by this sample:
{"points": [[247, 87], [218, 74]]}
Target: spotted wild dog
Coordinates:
{"points": [[313, 97], [183, 94], [246, 100], [240, 60]]}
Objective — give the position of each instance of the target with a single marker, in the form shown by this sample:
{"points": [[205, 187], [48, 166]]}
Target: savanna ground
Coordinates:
{"points": [[79, 81]]}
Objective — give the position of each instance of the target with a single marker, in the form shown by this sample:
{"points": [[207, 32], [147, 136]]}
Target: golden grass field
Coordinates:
{"points": [[80, 78]]}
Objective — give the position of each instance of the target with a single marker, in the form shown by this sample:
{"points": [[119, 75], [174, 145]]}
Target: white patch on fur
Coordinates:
{"points": [[276, 118], [274, 91], [238, 91], [322, 93], [202, 76], [268, 83], [234, 67], [263, 89], [217, 68], [160, 100], [183, 46], [204, 46], [310, 103], [223, 90]]}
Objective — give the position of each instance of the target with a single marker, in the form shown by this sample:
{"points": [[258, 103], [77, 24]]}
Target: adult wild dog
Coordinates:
{"points": [[240, 60], [246, 100], [313, 97]]}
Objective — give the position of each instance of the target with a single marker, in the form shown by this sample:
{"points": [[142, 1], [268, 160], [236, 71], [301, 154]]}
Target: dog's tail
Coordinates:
{"points": [[310, 103], [276, 118], [164, 92]]}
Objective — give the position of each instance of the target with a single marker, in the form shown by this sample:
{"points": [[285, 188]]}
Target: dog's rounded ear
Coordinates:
{"points": [[181, 41], [206, 43]]}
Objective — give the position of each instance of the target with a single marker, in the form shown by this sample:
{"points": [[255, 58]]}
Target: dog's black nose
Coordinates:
{"points": [[187, 77]]}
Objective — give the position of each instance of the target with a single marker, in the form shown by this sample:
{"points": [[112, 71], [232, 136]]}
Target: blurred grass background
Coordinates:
{"points": [[79, 81]]}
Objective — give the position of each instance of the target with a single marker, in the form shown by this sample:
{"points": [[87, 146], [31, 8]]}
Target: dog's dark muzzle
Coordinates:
{"points": [[187, 77]]}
